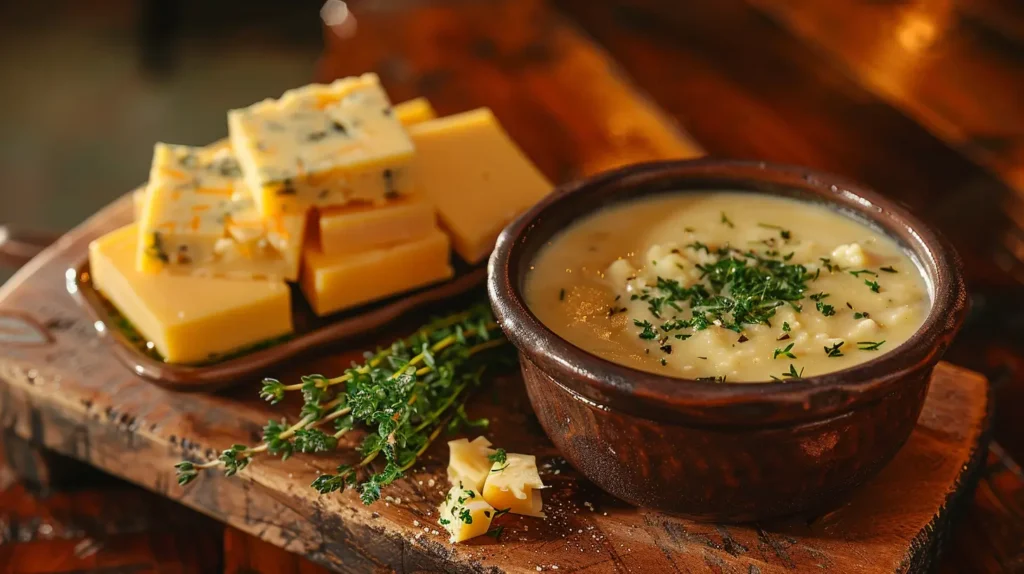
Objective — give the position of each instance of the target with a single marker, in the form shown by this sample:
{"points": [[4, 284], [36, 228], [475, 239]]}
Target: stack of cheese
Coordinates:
{"points": [[484, 486], [328, 186]]}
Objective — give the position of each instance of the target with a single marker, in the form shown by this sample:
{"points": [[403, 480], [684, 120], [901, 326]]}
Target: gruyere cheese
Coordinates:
{"points": [[322, 145], [363, 226], [199, 219], [335, 282], [476, 177], [464, 514], [414, 111], [188, 319], [468, 463], [515, 484]]}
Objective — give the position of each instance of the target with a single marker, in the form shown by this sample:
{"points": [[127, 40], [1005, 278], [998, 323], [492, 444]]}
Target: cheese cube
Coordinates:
{"points": [[361, 227], [476, 177], [414, 111], [468, 463], [138, 202], [335, 282], [322, 145], [515, 484], [464, 514], [199, 219], [188, 319]]}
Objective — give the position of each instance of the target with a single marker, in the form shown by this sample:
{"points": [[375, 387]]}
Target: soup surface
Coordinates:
{"points": [[727, 287]]}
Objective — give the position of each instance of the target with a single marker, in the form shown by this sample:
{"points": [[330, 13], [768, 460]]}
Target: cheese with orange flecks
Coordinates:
{"points": [[188, 319], [198, 218], [515, 484], [322, 145], [361, 227], [464, 514], [468, 463], [476, 177], [414, 111], [335, 282]]}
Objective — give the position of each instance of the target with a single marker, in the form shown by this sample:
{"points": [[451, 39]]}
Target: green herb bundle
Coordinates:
{"points": [[403, 396]]}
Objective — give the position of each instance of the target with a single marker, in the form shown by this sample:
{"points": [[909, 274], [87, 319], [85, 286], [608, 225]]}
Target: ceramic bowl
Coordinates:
{"points": [[727, 452]]}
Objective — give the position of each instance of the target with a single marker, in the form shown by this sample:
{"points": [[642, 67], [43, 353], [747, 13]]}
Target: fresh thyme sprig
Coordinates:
{"points": [[404, 395]]}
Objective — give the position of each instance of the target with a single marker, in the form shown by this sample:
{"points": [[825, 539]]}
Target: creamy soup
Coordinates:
{"points": [[727, 287]]}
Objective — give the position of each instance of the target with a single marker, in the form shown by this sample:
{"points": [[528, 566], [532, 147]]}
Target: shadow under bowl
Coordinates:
{"points": [[728, 452]]}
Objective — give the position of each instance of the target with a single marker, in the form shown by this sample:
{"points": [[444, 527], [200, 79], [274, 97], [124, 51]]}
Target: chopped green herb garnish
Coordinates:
{"points": [[725, 220], [862, 272], [663, 362], [826, 310], [787, 352], [720, 379], [785, 327], [561, 294], [869, 345], [834, 351], [793, 374], [682, 337], [889, 269], [648, 331], [498, 456], [873, 285], [861, 315], [827, 264]]}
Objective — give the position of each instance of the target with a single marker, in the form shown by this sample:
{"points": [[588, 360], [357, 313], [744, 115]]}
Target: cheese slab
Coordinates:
{"points": [[414, 111], [476, 177], [335, 282], [464, 514], [322, 145], [468, 463], [361, 227], [515, 484], [188, 319], [198, 218]]}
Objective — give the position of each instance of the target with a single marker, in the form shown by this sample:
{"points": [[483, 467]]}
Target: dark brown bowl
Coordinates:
{"points": [[725, 452]]}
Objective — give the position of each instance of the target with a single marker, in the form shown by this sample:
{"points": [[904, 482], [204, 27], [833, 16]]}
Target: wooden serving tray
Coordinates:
{"points": [[61, 387], [311, 332]]}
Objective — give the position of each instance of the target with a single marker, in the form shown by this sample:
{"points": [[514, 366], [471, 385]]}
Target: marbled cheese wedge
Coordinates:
{"points": [[188, 319], [198, 218], [322, 145]]}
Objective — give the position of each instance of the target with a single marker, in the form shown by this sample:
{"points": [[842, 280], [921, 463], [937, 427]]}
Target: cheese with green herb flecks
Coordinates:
{"points": [[199, 218], [464, 513], [322, 145]]}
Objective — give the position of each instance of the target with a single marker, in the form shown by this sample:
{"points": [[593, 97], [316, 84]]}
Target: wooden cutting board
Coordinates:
{"points": [[61, 387]]}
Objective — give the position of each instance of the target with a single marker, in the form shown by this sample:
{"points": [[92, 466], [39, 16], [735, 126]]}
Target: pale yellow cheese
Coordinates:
{"points": [[414, 111], [361, 227], [464, 514], [515, 485], [468, 463], [138, 202], [322, 145], [188, 319], [199, 218], [335, 282], [476, 177]]}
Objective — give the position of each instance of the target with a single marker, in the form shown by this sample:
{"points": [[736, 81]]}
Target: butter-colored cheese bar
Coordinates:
{"points": [[335, 282], [515, 484], [468, 463], [476, 177], [361, 227], [414, 111], [464, 514], [188, 319], [322, 145], [198, 218]]}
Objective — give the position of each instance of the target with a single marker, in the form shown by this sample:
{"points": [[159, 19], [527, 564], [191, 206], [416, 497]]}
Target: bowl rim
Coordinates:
{"points": [[651, 395]]}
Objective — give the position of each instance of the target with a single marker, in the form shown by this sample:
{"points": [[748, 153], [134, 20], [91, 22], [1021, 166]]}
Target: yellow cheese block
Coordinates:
{"points": [[464, 514], [335, 282], [515, 485], [476, 177], [361, 227], [467, 462], [188, 319], [322, 145], [414, 111], [199, 218]]}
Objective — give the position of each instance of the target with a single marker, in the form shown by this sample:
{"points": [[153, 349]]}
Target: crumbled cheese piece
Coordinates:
{"points": [[515, 484], [850, 255], [468, 463], [465, 514]]}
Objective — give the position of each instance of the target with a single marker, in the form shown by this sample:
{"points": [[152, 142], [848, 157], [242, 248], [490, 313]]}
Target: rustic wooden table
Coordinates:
{"points": [[921, 100]]}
